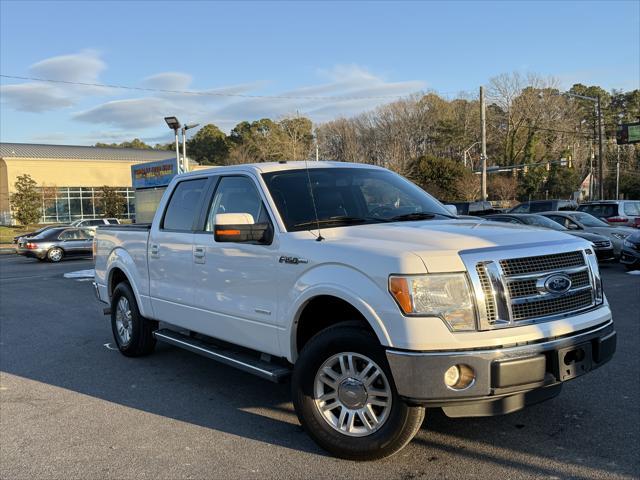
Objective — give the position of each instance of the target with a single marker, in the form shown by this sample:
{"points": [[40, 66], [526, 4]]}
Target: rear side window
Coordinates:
{"points": [[540, 207], [632, 208], [602, 210], [523, 208], [94, 223], [184, 205]]}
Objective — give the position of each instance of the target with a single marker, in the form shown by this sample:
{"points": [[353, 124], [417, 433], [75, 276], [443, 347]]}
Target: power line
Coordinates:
{"points": [[210, 94]]}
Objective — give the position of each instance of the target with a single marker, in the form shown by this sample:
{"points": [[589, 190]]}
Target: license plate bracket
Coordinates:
{"points": [[574, 361]]}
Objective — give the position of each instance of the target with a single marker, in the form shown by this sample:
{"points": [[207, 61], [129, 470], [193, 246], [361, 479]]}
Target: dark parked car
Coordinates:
{"points": [[630, 257], [479, 209], [37, 232], [537, 206], [617, 213], [601, 244], [54, 244]]}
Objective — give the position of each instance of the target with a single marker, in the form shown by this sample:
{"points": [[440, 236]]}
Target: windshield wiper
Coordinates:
{"points": [[345, 220], [412, 216]]}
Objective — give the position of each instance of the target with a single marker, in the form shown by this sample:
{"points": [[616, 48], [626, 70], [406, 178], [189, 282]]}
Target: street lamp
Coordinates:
{"points": [[186, 127], [174, 124]]}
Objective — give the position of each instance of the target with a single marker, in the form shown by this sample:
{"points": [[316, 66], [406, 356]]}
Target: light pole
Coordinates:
{"points": [[186, 127], [174, 124]]}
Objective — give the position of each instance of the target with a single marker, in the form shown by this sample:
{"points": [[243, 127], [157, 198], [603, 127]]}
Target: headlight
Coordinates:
{"points": [[447, 296], [620, 236]]}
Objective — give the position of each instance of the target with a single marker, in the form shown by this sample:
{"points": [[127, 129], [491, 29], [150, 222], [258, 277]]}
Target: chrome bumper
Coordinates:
{"points": [[500, 374]]}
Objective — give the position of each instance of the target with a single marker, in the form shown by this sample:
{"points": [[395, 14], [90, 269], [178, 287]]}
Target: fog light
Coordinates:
{"points": [[459, 377]]}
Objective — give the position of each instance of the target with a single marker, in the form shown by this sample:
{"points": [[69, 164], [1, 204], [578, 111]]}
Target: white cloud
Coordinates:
{"points": [[84, 67], [168, 81], [136, 113]]}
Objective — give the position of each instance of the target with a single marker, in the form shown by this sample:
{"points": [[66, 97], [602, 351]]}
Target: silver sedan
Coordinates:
{"points": [[582, 221]]}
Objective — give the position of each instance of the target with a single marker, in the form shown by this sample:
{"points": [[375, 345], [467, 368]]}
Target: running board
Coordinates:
{"points": [[234, 358]]}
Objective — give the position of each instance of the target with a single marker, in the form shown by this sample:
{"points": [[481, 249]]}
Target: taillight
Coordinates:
{"points": [[617, 219], [31, 246]]}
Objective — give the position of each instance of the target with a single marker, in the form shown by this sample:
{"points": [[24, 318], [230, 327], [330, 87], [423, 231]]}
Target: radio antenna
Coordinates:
{"points": [[313, 202]]}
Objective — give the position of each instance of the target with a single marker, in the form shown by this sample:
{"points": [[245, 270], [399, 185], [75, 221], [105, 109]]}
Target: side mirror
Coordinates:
{"points": [[453, 210], [241, 228], [573, 226]]}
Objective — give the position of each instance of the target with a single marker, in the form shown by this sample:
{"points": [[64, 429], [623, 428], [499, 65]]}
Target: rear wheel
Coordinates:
{"points": [[132, 332], [345, 398], [55, 254]]}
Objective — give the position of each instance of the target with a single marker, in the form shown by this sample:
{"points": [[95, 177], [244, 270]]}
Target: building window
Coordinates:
{"points": [[65, 204]]}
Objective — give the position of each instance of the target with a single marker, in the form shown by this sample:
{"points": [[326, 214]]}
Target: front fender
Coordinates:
{"points": [[345, 283]]}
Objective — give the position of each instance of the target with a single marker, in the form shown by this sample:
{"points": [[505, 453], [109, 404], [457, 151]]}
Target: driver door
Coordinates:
{"points": [[235, 289]]}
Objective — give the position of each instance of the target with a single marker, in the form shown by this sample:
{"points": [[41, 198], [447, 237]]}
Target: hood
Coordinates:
{"points": [[438, 242]]}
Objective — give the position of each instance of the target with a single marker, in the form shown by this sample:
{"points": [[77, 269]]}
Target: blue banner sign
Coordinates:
{"points": [[153, 174]]}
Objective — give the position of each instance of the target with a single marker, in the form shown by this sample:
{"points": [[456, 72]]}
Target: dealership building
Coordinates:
{"points": [[70, 177]]}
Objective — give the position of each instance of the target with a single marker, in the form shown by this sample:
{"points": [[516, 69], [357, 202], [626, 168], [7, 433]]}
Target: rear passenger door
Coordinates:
{"points": [[170, 255]]}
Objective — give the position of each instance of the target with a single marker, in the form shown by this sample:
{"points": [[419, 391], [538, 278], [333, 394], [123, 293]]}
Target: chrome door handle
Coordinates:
{"points": [[199, 254]]}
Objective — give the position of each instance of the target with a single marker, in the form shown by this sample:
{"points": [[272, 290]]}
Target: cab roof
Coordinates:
{"points": [[268, 167]]}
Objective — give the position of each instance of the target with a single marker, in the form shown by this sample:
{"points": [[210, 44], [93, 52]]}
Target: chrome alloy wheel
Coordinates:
{"points": [[124, 325], [352, 394], [55, 255]]}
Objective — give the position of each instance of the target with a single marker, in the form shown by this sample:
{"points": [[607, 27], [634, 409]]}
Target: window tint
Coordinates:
{"points": [[632, 208], [94, 223], [601, 210], [237, 195], [540, 207], [522, 208], [361, 194], [72, 234], [87, 234], [184, 205]]}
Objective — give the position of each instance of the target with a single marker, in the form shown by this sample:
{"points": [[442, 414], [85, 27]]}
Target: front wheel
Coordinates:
{"points": [[345, 398]]}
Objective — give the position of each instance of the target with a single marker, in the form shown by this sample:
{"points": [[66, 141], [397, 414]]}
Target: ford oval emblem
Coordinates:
{"points": [[558, 283]]}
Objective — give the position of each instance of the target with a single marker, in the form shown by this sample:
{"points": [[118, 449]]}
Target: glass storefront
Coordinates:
{"points": [[66, 204]]}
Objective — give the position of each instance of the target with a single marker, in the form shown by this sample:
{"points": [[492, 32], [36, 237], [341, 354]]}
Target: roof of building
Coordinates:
{"points": [[78, 152]]}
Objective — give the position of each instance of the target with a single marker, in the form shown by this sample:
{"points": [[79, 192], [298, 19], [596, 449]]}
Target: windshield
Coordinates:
{"points": [[588, 220], [348, 196], [540, 221]]}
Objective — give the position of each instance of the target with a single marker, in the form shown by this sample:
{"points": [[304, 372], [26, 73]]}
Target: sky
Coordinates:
{"points": [[249, 60]]}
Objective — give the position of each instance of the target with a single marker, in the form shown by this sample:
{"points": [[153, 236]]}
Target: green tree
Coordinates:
{"points": [[445, 179], [562, 182], [26, 201], [135, 143], [530, 184], [209, 146], [111, 201]]}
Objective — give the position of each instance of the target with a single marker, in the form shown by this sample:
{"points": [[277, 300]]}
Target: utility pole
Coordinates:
{"points": [[483, 133], [600, 152], [618, 172]]}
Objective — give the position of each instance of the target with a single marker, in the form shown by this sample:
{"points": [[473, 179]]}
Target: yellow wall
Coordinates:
{"points": [[57, 172]]}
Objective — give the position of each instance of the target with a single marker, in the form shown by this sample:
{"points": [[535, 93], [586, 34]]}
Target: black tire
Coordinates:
{"points": [[142, 342], [55, 254], [402, 423]]}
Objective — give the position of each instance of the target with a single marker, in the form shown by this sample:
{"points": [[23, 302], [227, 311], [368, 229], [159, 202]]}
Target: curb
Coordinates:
{"points": [[7, 251]]}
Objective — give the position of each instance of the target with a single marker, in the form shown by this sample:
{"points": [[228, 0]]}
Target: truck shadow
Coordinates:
{"points": [[64, 347]]}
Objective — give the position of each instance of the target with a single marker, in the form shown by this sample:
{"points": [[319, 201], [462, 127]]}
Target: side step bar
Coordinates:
{"points": [[234, 358]]}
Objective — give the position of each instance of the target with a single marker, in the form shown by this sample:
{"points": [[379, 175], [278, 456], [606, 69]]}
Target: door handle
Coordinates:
{"points": [[154, 250], [199, 254]]}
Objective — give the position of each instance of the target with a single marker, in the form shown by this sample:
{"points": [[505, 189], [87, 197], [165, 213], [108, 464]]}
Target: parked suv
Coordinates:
{"points": [[615, 212], [93, 223], [537, 206]]}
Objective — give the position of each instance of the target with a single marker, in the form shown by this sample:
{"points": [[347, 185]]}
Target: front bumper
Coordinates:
{"points": [[630, 257], [605, 254], [506, 379]]}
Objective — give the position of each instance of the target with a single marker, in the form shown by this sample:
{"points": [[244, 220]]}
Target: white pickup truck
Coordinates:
{"points": [[365, 289]]}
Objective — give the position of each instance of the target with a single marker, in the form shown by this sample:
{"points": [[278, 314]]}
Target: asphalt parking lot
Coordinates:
{"points": [[71, 407]]}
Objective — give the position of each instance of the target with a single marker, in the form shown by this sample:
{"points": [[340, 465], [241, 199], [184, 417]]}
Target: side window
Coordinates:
{"points": [[632, 208], [94, 223], [184, 205], [541, 207], [561, 220], [87, 234], [237, 195], [66, 235], [524, 208]]}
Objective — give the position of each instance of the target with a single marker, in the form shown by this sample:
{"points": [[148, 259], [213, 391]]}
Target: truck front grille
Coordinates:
{"points": [[542, 263], [514, 290]]}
